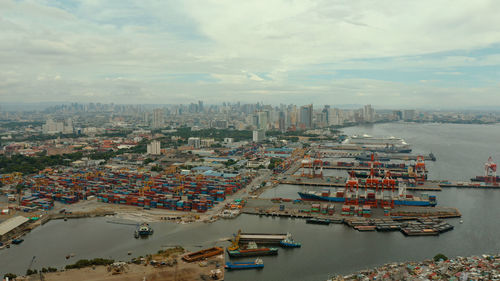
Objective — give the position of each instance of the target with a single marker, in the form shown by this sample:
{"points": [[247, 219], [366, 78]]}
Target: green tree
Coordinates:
{"points": [[439, 257], [11, 276]]}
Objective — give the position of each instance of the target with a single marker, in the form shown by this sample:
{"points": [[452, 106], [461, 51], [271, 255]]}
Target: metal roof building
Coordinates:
{"points": [[11, 224]]}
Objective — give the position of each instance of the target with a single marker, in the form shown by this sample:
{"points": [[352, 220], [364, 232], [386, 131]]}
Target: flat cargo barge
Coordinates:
{"points": [[203, 254], [264, 238]]}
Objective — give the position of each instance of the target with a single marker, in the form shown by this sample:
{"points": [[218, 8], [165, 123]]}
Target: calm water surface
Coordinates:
{"points": [[461, 151]]}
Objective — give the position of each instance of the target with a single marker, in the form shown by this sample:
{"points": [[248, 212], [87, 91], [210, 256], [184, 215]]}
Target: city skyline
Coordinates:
{"points": [[394, 54]]}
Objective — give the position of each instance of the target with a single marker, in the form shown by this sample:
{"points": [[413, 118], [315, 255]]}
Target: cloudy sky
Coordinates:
{"points": [[388, 53]]}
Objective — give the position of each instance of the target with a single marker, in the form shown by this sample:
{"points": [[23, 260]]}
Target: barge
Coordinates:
{"points": [[252, 250], [318, 221], [258, 263], [203, 254]]}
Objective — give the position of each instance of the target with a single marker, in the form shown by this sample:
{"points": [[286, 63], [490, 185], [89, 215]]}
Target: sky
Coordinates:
{"points": [[427, 53]]}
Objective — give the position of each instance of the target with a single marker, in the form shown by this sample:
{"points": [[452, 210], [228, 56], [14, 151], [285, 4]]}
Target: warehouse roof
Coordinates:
{"points": [[11, 224]]}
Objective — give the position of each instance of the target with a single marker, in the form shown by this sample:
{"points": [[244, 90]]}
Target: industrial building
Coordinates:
{"points": [[11, 226]]}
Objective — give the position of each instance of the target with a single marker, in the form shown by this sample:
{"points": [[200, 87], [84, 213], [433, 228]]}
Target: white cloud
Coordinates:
{"points": [[123, 49]]}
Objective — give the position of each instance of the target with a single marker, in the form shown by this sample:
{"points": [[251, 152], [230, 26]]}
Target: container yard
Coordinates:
{"points": [[176, 191]]}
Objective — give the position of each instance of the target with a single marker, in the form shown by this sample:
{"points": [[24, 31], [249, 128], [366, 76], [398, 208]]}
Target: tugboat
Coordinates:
{"points": [[289, 243], [258, 263], [143, 230]]}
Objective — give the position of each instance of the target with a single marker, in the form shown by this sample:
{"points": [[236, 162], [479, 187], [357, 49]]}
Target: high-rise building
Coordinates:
{"points": [[259, 135], [326, 111], [51, 127], [368, 114], [335, 117], [281, 121], [68, 129], [306, 113], [154, 148], [397, 114], [158, 121], [263, 120], [194, 142], [409, 114], [207, 142], [200, 106]]}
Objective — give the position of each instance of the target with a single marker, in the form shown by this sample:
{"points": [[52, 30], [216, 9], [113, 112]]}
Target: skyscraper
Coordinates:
{"points": [[200, 106], [263, 117], [306, 113], [281, 121], [368, 114], [158, 118]]}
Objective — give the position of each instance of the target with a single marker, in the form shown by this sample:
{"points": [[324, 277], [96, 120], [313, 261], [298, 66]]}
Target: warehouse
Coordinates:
{"points": [[11, 225]]}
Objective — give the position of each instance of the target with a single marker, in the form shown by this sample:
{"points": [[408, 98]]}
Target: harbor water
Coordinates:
{"points": [[461, 151]]}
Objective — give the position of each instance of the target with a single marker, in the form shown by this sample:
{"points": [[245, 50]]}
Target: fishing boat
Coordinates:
{"points": [[258, 263]]}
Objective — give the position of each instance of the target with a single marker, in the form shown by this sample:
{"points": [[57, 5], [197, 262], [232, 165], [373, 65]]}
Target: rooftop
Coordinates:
{"points": [[12, 223]]}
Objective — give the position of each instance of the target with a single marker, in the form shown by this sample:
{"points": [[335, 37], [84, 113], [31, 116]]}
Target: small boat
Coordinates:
{"points": [[258, 263], [143, 230], [318, 221], [288, 242], [17, 241]]}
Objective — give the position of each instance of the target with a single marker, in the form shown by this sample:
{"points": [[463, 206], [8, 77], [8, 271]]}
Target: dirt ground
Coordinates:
{"points": [[182, 272]]}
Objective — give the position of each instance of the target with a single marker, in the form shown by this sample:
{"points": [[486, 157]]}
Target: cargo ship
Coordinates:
{"points": [[379, 173], [470, 184], [203, 254], [486, 179], [318, 221], [378, 144], [252, 250], [258, 263], [143, 230], [490, 173], [407, 200]]}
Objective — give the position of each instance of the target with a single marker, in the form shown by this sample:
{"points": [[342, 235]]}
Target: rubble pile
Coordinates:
{"points": [[485, 267]]}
